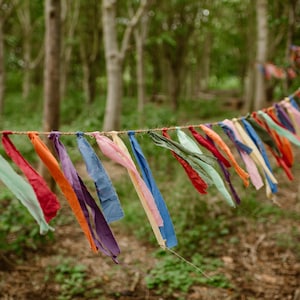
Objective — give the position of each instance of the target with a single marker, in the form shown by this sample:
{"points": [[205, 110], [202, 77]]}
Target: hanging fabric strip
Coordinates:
{"points": [[284, 118], [218, 140], [54, 169], [24, 192], [115, 153], [199, 180], [282, 143], [277, 148], [47, 199], [294, 103], [102, 234], [209, 145], [294, 114], [280, 130], [189, 144], [271, 181], [264, 134], [187, 159], [107, 195], [202, 141], [257, 141], [167, 230], [286, 145], [244, 151]]}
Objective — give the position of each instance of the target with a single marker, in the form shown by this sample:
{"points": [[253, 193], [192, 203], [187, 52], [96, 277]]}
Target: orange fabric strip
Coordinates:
{"points": [[218, 140], [52, 165]]}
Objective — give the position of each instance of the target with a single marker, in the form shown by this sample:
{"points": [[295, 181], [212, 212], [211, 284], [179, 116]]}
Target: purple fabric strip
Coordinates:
{"points": [[102, 234]]}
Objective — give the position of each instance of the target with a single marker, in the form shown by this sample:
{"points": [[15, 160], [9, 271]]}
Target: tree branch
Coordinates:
{"points": [[130, 27]]}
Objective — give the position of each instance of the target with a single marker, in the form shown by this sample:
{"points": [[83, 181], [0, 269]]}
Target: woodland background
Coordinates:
{"points": [[112, 65]]}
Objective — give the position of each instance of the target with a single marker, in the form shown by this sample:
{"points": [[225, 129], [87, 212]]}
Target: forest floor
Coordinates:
{"points": [[259, 266]]}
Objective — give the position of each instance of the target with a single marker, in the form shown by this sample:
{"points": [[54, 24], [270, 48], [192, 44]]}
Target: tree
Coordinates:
{"points": [[140, 35], [89, 34], [69, 20], [28, 27], [51, 70], [114, 58], [261, 54]]}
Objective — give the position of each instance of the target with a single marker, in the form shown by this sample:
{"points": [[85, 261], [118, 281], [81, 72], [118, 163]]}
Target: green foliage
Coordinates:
{"points": [[73, 281], [171, 274], [18, 230]]}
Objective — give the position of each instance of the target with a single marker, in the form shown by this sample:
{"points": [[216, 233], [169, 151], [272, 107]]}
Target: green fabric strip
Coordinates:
{"points": [[24, 192], [281, 131], [217, 180]]}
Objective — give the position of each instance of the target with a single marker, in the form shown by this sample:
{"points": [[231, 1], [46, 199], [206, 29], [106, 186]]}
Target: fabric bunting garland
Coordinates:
{"points": [[207, 159]]}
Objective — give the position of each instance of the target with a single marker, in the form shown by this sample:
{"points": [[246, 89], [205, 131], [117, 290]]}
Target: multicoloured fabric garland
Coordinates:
{"points": [[207, 160]]}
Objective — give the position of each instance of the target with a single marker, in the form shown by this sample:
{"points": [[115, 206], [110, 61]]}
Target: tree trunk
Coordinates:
{"points": [[25, 20], [51, 71], [113, 67], [261, 55], [114, 60], [140, 38], [69, 22], [89, 86], [2, 71]]}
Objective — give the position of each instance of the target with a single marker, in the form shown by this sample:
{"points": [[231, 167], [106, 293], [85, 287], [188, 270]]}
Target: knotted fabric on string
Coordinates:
{"points": [[167, 230], [257, 157], [218, 140], [202, 141], [244, 152], [199, 180], [52, 165], [209, 144], [107, 195], [285, 158], [286, 144], [117, 154], [280, 130], [47, 199], [189, 144], [284, 118], [257, 141], [102, 234], [294, 114], [24, 192]]}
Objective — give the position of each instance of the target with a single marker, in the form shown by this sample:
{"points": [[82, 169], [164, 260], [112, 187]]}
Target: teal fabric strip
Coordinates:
{"points": [[217, 180], [281, 131], [24, 192]]}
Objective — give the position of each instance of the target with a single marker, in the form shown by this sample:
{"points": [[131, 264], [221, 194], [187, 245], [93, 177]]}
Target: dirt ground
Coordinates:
{"points": [[258, 266]]}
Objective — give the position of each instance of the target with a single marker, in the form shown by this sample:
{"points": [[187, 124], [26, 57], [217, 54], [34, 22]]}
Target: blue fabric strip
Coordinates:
{"points": [[107, 195], [260, 146], [167, 230]]}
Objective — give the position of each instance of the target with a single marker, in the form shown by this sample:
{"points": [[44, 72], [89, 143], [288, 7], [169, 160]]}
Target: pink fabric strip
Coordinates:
{"points": [[249, 163], [114, 152]]}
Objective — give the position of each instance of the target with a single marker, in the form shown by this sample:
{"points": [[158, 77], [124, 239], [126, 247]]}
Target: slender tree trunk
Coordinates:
{"points": [[2, 71], [25, 18], [113, 67], [261, 55], [114, 60], [69, 22], [51, 70], [140, 38], [88, 82], [249, 80]]}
